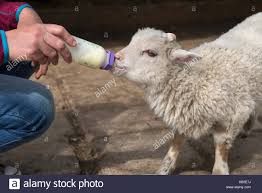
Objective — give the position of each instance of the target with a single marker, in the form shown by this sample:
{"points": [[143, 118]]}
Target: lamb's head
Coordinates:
{"points": [[149, 55]]}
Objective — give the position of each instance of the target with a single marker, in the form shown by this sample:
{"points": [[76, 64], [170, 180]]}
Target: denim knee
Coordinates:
{"points": [[26, 111], [43, 111], [27, 114]]}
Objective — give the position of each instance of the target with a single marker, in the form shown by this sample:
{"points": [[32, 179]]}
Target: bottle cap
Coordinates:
{"points": [[110, 61]]}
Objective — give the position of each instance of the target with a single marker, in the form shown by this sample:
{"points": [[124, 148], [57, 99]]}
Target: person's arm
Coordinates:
{"points": [[40, 43], [9, 18]]}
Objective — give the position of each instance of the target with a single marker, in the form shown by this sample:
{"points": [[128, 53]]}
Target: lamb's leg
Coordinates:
{"points": [[169, 163], [224, 138], [222, 147]]}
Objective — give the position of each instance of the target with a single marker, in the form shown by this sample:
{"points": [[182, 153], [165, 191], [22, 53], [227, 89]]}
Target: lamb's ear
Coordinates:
{"points": [[170, 37], [180, 56]]}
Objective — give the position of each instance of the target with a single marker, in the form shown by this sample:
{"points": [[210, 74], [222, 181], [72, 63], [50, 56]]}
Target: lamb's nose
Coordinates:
{"points": [[119, 56]]}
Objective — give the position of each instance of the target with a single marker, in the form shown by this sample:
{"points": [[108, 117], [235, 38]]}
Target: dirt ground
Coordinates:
{"points": [[114, 132]]}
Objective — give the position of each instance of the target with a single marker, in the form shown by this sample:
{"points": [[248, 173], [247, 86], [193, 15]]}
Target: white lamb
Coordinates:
{"points": [[212, 89]]}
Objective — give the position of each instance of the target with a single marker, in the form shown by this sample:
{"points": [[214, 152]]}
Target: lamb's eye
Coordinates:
{"points": [[150, 53]]}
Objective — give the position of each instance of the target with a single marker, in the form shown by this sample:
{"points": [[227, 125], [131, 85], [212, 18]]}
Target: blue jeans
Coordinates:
{"points": [[26, 107]]}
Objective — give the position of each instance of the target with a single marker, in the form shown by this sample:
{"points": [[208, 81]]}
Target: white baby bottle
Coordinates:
{"points": [[91, 55]]}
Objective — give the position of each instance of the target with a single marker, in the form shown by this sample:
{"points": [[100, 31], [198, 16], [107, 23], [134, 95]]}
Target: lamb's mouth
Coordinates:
{"points": [[119, 70]]}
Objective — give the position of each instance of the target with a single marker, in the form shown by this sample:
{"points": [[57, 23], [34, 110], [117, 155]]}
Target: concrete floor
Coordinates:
{"points": [[115, 132]]}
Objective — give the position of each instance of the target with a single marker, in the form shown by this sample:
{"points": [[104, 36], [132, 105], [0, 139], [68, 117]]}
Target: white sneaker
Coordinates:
{"points": [[9, 170]]}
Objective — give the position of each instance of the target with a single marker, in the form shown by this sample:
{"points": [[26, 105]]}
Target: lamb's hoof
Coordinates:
{"points": [[220, 172]]}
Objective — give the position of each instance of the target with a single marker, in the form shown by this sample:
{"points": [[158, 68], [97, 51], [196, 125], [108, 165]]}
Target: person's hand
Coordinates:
{"points": [[40, 43], [28, 17]]}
